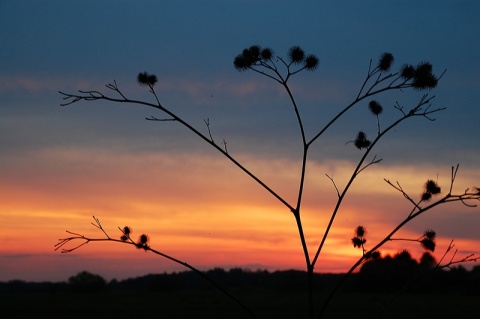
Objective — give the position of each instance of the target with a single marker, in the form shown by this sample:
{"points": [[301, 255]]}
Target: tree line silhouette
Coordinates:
{"points": [[383, 274]]}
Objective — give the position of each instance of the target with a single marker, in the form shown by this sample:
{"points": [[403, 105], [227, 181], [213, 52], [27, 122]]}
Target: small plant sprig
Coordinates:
{"points": [[141, 243], [427, 240]]}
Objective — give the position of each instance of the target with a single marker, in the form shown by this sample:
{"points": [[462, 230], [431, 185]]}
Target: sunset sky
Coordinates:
{"points": [[59, 166]]}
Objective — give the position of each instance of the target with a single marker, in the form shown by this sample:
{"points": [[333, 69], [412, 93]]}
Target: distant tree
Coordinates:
{"points": [[379, 80], [427, 261], [87, 282]]}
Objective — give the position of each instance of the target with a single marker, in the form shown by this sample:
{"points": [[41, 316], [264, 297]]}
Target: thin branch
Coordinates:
{"points": [[127, 240], [334, 185], [207, 123], [447, 198], [94, 95]]}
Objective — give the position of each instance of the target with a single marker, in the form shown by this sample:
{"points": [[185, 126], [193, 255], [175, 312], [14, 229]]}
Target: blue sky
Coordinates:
{"points": [[49, 46]]}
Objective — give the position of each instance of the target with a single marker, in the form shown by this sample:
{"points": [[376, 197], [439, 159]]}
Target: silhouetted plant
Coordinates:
{"points": [[141, 243], [379, 79]]}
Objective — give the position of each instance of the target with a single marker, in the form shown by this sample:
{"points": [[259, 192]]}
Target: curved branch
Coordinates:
{"points": [[127, 240]]}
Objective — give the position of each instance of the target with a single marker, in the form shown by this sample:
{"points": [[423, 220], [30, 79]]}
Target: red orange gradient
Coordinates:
{"points": [[201, 209]]}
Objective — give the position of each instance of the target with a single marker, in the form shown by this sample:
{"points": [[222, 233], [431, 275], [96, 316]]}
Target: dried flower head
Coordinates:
{"points": [[424, 78], [242, 63], [247, 58], [296, 54], [428, 244], [144, 78], [143, 239], [385, 61], [127, 230], [360, 231], [361, 141], [375, 107], [426, 196], [254, 51], [266, 54], [432, 187], [407, 71], [311, 62], [358, 242], [124, 237], [430, 234]]}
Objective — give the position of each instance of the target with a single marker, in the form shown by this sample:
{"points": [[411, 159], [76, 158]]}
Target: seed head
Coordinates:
{"points": [[430, 234], [247, 58], [311, 62], [424, 78], [266, 54], [144, 78], [296, 54], [428, 244], [432, 187], [143, 239], [407, 71], [361, 141], [360, 231], [127, 230], [385, 61], [358, 242], [375, 107], [426, 196]]}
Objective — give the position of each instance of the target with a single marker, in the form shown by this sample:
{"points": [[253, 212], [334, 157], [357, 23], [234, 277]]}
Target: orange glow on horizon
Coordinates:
{"points": [[215, 216]]}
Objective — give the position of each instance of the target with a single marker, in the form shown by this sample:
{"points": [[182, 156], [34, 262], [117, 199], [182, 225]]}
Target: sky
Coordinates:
{"points": [[61, 165]]}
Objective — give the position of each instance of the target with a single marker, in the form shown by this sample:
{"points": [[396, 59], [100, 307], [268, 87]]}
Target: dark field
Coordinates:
{"points": [[212, 304]]}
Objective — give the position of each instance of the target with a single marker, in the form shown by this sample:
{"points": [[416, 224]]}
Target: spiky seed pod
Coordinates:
{"points": [[247, 58], [426, 196], [143, 239], [266, 54], [432, 187], [375, 107], [142, 78], [361, 135], [428, 244], [152, 79], [127, 230], [385, 61], [361, 141], [360, 231], [358, 242], [254, 51], [242, 63], [407, 71], [311, 62], [430, 234], [296, 54], [424, 78], [124, 237]]}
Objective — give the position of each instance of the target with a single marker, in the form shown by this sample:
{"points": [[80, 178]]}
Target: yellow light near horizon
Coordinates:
{"points": [[205, 219]]}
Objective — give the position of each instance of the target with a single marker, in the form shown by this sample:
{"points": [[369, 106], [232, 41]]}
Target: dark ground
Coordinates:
{"points": [[211, 304]]}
